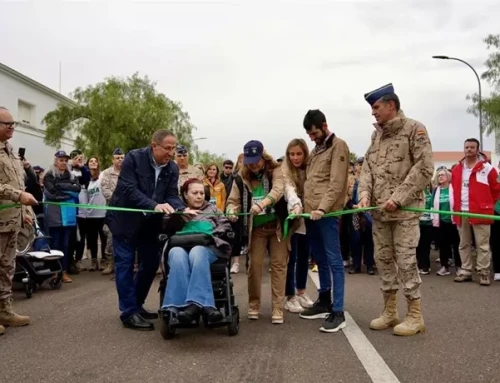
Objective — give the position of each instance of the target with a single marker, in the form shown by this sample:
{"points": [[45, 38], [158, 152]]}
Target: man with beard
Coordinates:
{"points": [[325, 191]]}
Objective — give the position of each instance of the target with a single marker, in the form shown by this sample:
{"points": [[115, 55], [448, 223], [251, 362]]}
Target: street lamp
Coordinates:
{"points": [[199, 138], [480, 103]]}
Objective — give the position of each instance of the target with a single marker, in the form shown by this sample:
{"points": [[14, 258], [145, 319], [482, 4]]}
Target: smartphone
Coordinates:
{"points": [[21, 153]]}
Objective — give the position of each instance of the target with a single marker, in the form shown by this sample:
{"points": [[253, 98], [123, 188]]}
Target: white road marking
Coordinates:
{"points": [[375, 366]]}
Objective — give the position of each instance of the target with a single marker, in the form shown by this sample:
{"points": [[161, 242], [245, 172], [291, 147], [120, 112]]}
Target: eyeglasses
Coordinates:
{"points": [[9, 124], [167, 148]]}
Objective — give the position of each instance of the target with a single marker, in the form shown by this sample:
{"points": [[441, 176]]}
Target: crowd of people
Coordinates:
{"points": [[257, 193]]}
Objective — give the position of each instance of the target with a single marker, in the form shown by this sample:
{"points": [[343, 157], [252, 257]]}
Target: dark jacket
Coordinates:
{"points": [[136, 189], [60, 188], [228, 182], [220, 224]]}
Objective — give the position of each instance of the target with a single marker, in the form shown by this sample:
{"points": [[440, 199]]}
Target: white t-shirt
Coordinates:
{"points": [[466, 172]]}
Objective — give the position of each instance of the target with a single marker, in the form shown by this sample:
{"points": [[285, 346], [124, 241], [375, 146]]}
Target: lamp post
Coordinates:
{"points": [[479, 85], [199, 138]]}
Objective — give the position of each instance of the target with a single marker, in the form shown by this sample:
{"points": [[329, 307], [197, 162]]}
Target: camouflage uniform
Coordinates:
{"points": [[108, 186], [190, 172], [11, 220], [398, 166]]}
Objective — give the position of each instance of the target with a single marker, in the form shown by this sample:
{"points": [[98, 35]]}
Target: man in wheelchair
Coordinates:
{"points": [[194, 243]]}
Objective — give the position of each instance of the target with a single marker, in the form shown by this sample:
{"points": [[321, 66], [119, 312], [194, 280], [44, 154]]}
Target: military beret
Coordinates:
{"points": [[181, 149], [375, 95]]}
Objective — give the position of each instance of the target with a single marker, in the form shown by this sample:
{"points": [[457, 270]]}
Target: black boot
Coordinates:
{"points": [[72, 269], [213, 315], [321, 308], [189, 314]]}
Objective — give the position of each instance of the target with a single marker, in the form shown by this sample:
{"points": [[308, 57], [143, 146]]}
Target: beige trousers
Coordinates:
{"points": [[482, 236]]}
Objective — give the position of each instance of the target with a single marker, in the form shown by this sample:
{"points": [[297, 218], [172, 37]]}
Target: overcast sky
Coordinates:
{"points": [[251, 69]]}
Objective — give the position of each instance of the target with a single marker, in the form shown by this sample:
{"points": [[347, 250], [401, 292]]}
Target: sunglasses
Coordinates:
{"points": [[228, 167]]}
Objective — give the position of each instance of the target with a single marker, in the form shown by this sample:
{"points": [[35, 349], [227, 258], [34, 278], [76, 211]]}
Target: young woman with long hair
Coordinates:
{"points": [[216, 186], [294, 172], [258, 191]]}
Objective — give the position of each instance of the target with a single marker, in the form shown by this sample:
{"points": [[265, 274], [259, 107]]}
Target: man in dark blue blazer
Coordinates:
{"points": [[148, 180]]}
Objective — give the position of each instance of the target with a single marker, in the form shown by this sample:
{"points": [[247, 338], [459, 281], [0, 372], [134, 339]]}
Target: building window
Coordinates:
{"points": [[26, 112]]}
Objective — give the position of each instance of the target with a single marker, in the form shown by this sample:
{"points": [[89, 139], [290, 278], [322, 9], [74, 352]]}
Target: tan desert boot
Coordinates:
{"points": [[110, 268], [414, 322], [2, 330], [9, 317], [389, 317]]}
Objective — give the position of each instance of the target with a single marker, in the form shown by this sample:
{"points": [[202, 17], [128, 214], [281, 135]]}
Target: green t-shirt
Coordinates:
{"points": [[425, 219], [444, 204], [258, 194], [196, 227]]}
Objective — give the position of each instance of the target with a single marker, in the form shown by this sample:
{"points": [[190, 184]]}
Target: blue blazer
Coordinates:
{"points": [[136, 189]]}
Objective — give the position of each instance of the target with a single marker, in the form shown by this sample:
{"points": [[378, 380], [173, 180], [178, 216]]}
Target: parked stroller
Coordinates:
{"points": [[36, 262]]}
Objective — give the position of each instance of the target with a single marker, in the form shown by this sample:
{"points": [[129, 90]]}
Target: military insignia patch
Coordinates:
{"points": [[420, 132], [342, 158]]}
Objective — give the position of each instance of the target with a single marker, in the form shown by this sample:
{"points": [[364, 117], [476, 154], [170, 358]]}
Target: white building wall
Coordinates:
{"points": [[30, 135]]}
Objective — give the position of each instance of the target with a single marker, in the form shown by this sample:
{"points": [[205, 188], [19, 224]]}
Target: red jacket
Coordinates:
{"points": [[484, 191]]}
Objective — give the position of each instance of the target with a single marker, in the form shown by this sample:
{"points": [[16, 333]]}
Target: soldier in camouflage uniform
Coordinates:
{"points": [[186, 171], [108, 185], [11, 220], [398, 166]]}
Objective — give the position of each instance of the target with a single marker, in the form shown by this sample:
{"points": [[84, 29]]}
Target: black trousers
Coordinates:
{"points": [[495, 245], [90, 230], [424, 247], [448, 243]]}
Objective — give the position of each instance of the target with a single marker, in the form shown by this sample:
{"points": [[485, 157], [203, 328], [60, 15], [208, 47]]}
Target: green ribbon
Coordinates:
{"points": [[287, 221]]}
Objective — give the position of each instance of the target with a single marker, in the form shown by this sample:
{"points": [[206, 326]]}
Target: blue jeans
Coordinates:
{"points": [[189, 278], [324, 238], [132, 293], [60, 241], [298, 265]]}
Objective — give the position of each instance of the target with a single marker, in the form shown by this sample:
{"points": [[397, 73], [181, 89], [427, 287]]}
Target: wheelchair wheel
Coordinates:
{"points": [[166, 331], [28, 289], [234, 327]]}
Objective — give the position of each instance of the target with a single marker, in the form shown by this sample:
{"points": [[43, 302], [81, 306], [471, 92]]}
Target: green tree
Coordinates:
{"points": [[117, 113], [353, 156], [490, 105], [205, 157]]}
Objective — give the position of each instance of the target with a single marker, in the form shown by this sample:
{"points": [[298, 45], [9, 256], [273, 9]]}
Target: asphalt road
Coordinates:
{"points": [[76, 336]]}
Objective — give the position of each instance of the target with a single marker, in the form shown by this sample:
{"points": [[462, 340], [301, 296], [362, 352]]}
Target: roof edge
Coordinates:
{"points": [[35, 84]]}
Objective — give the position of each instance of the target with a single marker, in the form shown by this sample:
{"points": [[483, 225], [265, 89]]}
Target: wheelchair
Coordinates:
{"points": [[222, 286]]}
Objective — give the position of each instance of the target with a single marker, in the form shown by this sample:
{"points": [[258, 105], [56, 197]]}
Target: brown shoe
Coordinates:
{"points": [[484, 280], [66, 278], [463, 278], [9, 318]]}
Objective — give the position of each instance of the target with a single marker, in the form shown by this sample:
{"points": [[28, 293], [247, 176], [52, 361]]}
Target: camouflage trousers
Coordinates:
{"points": [[395, 245], [8, 245], [108, 251]]}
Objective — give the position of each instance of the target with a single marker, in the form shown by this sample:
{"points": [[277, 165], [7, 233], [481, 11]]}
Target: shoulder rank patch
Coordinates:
{"points": [[342, 158], [420, 132]]}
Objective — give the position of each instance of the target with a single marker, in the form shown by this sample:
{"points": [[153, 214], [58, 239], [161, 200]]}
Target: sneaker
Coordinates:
{"points": [[484, 280], [277, 317], [334, 322], [253, 314], [370, 271], [443, 271], [423, 271], [314, 269], [235, 268], [305, 301], [320, 309], [293, 305], [496, 277]]}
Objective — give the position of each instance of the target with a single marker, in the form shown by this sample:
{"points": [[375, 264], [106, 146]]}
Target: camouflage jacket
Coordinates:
{"points": [[398, 165], [190, 172], [108, 182], [11, 187]]}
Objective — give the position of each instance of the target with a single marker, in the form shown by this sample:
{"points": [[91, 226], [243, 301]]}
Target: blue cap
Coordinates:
{"points": [[360, 160], [61, 154], [38, 168], [181, 149], [252, 152], [118, 152], [375, 95]]}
